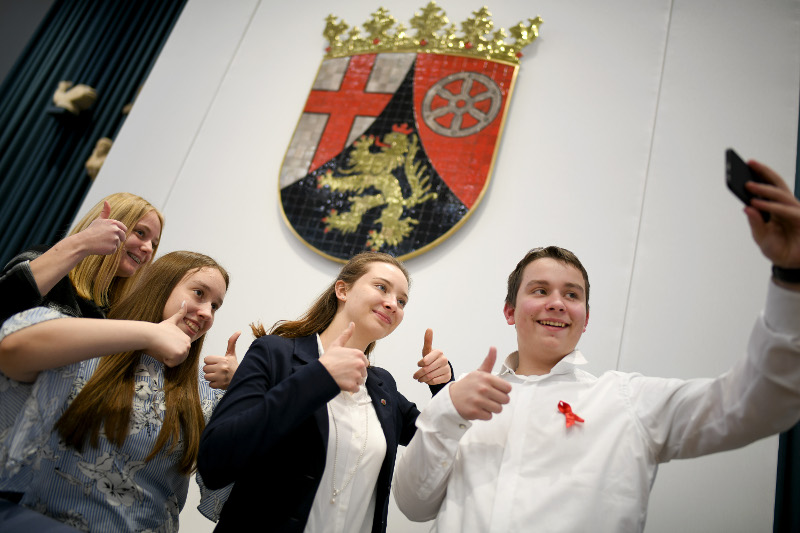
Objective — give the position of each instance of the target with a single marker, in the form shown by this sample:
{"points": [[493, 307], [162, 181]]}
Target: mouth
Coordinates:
{"points": [[193, 326], [383, 317], [553, 323], [136, 259]]}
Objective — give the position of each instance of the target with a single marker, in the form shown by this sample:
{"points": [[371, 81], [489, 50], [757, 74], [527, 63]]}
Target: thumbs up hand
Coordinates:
{"points": [[434, 369], [103, 235], [219, 369], [168, 342], [347, 366], [479, 394]]}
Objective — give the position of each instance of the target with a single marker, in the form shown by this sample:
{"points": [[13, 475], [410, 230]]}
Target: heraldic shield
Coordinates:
{"points": [[396, 143]]}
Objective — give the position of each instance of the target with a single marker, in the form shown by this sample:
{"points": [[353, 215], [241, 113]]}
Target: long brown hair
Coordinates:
{"points": [[321, 313], [107, 398], [95, 277]]}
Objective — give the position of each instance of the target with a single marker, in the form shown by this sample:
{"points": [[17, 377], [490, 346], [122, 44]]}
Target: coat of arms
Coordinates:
{"points": [[397, 139]]}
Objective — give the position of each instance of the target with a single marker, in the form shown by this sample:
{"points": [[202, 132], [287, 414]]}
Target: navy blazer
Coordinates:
{"points": [[269, 435]]}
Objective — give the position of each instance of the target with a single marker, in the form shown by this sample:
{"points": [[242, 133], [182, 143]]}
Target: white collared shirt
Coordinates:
{"points": [[353, 416], [526, 470]]}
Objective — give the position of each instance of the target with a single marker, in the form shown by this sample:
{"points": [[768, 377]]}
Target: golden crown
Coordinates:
{"points": [[434, 34]]}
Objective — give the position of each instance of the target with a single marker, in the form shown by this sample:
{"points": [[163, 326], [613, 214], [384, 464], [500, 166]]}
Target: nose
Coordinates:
{"points": [[390, 303], [555, 303], [147, 248], [204, 310]]}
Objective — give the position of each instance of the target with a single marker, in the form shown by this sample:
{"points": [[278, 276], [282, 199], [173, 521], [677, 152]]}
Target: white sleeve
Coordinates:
{"points": [[423, 469], [758, 397]]}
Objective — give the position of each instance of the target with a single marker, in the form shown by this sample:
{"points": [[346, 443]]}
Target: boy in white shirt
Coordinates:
{"points": [[558, 449]]}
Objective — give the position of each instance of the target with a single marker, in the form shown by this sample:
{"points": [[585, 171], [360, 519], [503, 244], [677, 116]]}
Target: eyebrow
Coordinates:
{"points": [[390, 284], [570, 285]]}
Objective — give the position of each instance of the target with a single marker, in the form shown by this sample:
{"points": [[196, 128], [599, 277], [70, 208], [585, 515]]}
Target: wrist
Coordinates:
{"points": [[788, 278], [77, 246], [787, 275]]}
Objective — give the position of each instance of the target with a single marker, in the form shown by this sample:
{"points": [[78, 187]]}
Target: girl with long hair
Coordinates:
{"points": [[309, 429], [109, 434], [89, 270]]}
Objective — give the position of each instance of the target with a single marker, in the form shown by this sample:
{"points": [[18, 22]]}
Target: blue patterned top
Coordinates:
{"points": [[104, 489]]}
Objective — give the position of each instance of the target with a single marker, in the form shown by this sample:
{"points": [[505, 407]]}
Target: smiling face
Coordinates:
{"points": [[375, 302], [137, 250], [203, 291], [550, 314]]}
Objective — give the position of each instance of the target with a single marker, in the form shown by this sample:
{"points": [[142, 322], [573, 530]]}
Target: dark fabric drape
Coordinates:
{"points": [[787, 486], [109, 45]]}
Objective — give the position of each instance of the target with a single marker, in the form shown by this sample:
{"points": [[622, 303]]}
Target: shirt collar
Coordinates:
{"points": [[320, 349], [567, 364]]}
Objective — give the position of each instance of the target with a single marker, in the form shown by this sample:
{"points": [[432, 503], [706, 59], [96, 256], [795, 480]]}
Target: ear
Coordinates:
{"points": [[340, 287], [508, 312], [587, 321]]}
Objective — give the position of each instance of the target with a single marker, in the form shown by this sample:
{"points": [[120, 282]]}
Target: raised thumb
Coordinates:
{"points": [[178, 316], [427, 343], [106, 211], [342, 339], [488, 363], [232, 344]]}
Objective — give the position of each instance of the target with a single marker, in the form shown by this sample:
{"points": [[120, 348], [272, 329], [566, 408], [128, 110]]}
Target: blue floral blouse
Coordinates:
{"points": [[103, 489]]}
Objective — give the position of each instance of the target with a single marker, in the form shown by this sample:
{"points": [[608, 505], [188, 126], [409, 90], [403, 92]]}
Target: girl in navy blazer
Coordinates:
{"points": [[308, 430]]}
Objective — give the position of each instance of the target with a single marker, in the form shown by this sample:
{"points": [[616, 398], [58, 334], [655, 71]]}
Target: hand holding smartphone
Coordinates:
{"points": [[737, 173]]}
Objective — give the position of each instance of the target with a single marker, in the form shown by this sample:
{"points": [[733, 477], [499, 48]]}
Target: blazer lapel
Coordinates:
{"points": [[306, 351], [382, 399]]}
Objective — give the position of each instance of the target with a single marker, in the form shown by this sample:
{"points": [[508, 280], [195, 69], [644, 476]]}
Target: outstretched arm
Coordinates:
{"points": [[685, 419], [779, 239], [54, 343]]}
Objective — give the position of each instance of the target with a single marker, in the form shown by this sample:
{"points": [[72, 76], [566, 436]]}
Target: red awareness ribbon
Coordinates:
{"points": [[568, 414]]}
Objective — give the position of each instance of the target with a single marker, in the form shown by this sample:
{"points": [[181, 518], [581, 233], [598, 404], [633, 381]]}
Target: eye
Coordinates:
{"points": [[539, 292], [401, 302], [572, 295], [381, 287], [139, 232], [214, 307], [198, 292]]}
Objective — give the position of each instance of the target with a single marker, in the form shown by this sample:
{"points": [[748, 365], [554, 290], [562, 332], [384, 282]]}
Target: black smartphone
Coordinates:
{"points": [[737, 173]]}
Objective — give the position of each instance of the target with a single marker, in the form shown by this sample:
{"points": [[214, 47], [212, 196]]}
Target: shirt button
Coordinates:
{"points": [[462, 426]]}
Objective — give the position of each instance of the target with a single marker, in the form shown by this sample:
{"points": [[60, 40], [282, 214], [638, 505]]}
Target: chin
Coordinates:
{"points": [[127, 271]]}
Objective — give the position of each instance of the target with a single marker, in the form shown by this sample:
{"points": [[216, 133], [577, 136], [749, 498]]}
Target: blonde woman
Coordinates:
{"points": [[89, 270]]}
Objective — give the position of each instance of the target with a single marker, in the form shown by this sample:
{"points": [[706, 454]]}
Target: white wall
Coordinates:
{"points": [[613, 148]]}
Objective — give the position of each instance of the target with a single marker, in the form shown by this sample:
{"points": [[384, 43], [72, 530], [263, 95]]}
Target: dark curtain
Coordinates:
{"points": [[109, 45], [787, 486]]}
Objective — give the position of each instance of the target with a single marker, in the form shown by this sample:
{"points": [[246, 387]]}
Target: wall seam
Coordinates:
{"points": [[644, 189]]}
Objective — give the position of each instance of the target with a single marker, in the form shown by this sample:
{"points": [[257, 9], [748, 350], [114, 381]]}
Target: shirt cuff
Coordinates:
{"points": [[441, 416], [782, 309]]}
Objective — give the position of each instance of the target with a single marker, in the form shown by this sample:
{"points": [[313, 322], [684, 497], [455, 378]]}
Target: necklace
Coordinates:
{"points": [[336, 491]]}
